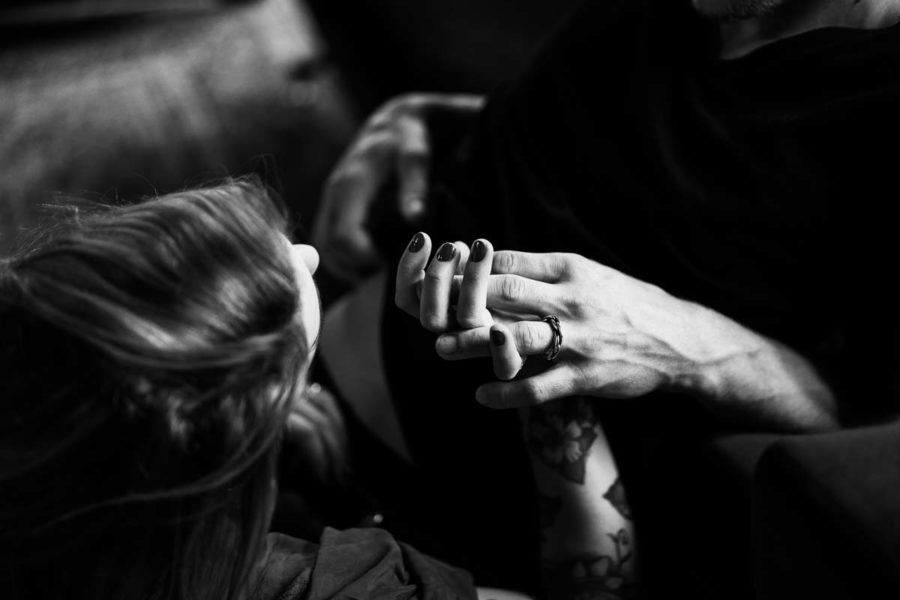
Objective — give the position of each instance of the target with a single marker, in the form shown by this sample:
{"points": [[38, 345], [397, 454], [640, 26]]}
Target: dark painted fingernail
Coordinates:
{"points": [[498, 337], [479, 249], [447, 252], [417, 242]]}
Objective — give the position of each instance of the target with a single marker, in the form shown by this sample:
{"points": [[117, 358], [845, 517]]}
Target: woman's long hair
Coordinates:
{"points": [[148, 357]]}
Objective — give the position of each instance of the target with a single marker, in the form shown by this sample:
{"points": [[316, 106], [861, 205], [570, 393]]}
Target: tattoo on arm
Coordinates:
{"points": [[585, 528], [561, 434], [594, 576], [615, 495]]}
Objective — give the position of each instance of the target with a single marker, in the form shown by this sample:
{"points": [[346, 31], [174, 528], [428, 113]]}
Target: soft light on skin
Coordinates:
{"points": [[306, 261]]}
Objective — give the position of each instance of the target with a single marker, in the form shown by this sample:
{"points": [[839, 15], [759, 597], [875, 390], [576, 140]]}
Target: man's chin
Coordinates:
{"points": [[732, 10]]}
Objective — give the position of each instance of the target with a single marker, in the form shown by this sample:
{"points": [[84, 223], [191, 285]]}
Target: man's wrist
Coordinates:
{"points": [[710, 347], [737, 371]]}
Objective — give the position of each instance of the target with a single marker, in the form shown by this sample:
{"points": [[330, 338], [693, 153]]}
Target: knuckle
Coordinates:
{"points": [[468, 321], [432, 277], [511, 289], [504, 262], [573, 307], [527, 339], [570, 262], [433, 323]]}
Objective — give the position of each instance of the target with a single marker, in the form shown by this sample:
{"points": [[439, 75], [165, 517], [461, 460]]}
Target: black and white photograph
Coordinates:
{"points": [[449, 300]]}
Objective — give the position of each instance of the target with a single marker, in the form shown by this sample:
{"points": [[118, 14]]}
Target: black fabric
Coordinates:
{"points": [[826, 516], [758, 187], [356, 563]]}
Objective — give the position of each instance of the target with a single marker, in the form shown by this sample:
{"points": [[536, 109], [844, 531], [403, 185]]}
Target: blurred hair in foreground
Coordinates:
{"points": [[150, 354]]}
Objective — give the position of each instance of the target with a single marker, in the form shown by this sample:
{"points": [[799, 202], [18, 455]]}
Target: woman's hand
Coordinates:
{"points": [[622, 337], [394, 143]]}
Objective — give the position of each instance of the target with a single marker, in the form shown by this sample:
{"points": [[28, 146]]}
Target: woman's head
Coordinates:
{"points": [[150, 354]]}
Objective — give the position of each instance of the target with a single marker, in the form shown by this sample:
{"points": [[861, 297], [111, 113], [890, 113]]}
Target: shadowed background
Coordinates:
{"points": [[129, 98], [108, 101]]}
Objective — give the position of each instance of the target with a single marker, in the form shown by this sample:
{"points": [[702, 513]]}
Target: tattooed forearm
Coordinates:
{"points": [[561, 434], [615, 495], [594, 576], [586, 529]]}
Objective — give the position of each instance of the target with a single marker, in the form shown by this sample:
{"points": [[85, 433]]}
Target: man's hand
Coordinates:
{"points": [[393, 144], [623, 338]]}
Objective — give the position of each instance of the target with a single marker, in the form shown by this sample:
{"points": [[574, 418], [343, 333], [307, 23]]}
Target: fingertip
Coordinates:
{"points": [[447, 252], [446, 345], [481, 248], [415, 256], [501, 335], [491, 395], [408, 278], [416, 243]]}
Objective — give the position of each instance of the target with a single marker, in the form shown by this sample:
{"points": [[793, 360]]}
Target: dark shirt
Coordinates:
{"points": [[759, 187]]}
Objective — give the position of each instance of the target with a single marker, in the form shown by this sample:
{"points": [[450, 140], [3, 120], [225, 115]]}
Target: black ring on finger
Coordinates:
{"points": [[556, 343]]}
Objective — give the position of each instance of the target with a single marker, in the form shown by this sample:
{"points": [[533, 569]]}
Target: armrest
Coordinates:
{"points": [[826, 515]]}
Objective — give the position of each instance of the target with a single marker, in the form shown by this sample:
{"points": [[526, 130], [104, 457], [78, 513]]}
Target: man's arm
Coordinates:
{"points": [[622, 338], [755, 380], [625, 338]]}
